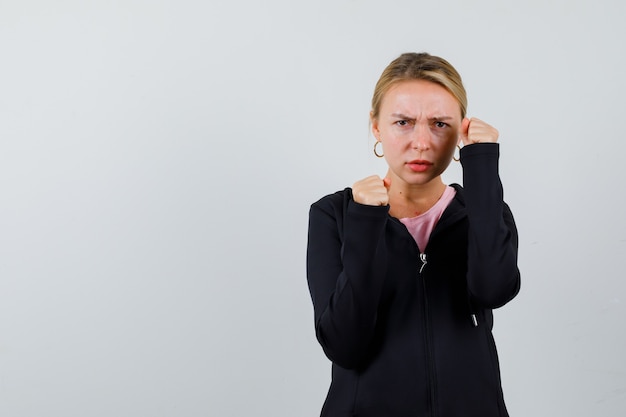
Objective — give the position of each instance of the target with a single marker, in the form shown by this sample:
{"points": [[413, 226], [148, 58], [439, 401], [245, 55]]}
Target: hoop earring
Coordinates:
{"points": [[459, 158], [379, 155]]}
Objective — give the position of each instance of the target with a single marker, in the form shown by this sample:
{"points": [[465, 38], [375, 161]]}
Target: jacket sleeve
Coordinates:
{"points": [[346, 262], [493, 277]]}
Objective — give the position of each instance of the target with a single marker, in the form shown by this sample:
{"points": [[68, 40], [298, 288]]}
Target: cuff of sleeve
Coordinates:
{"points": [[480, 149], [366, 210]]}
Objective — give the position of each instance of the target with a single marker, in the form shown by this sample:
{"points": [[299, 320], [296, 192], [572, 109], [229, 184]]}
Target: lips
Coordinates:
{"points": [[419, 165]]}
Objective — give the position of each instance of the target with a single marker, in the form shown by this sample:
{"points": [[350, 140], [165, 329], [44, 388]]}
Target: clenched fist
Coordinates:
{"points": [[476, 131], [371, 191]]}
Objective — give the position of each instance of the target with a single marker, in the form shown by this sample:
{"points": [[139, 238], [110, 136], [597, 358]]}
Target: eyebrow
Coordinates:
{"points": [[403, 116]]}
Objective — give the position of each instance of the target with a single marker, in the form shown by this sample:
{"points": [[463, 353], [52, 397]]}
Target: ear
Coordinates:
{"points": [[463, 132], [374, 125]]}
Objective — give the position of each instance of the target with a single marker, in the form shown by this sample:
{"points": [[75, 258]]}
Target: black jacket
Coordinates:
{"points": [[409, 333]]}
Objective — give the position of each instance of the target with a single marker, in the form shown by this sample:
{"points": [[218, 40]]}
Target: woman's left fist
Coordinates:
{"points": [[476, 131]]}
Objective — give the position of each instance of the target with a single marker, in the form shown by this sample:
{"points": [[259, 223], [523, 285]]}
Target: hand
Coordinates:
{"points": [[476, 131], [371, 191]]}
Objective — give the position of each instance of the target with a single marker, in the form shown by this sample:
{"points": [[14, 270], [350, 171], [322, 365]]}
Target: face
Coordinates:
{"points": [[418, 124]]}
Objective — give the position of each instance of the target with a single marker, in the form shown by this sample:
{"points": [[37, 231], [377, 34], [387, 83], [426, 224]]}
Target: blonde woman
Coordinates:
{"points": [[404, 271]]}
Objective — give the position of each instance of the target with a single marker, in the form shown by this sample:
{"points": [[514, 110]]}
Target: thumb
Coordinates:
{"points": [[387, 182]]}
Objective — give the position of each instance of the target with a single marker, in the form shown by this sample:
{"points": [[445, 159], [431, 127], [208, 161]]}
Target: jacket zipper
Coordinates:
{"points": [[429, 353], [424, 261]]}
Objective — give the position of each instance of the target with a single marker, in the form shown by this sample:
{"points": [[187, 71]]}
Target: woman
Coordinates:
{"points": [[404, 271]]}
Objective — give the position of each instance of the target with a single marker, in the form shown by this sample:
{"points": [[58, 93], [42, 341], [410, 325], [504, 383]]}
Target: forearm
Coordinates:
{"points": [[345, 270], [493, 277]]}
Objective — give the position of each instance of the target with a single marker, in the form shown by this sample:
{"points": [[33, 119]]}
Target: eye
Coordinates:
{"points": [[440, 124], [402, 122]]}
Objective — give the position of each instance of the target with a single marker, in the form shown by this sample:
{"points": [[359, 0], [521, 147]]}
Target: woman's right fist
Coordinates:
{"points": [[371, 191]]}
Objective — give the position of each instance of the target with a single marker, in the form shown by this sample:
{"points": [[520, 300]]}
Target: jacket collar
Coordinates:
{"points": [[455, 210]]}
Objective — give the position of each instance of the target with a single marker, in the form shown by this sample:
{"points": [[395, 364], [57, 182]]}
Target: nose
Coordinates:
{"points": [[421, 137]]}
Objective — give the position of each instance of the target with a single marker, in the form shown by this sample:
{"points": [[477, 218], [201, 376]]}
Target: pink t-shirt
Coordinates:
{"points": [[422, 226]]}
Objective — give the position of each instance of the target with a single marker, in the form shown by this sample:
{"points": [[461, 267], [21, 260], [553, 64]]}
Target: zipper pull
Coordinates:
{"points": [[423, 259], [474, 320]]}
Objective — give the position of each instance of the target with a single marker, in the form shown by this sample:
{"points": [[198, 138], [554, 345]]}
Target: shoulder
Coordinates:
{"points": [[334, 201], [459, 200], [340, 204], [327, 214], [460, 193]]}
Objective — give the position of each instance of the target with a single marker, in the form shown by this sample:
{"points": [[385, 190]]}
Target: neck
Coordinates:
{"points": [[409, 200]]}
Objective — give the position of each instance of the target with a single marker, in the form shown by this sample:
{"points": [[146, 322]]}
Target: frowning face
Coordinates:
{"points": [[418, 124]]}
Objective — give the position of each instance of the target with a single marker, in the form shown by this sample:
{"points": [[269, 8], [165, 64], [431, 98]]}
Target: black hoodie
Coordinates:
{"points": [[409, 333]]}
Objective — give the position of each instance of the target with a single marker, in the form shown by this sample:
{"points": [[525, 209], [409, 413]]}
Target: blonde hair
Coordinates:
{"points": [[420, 66]]}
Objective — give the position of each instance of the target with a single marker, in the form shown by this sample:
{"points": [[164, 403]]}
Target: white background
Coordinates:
{"points": [[157, 163]]}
